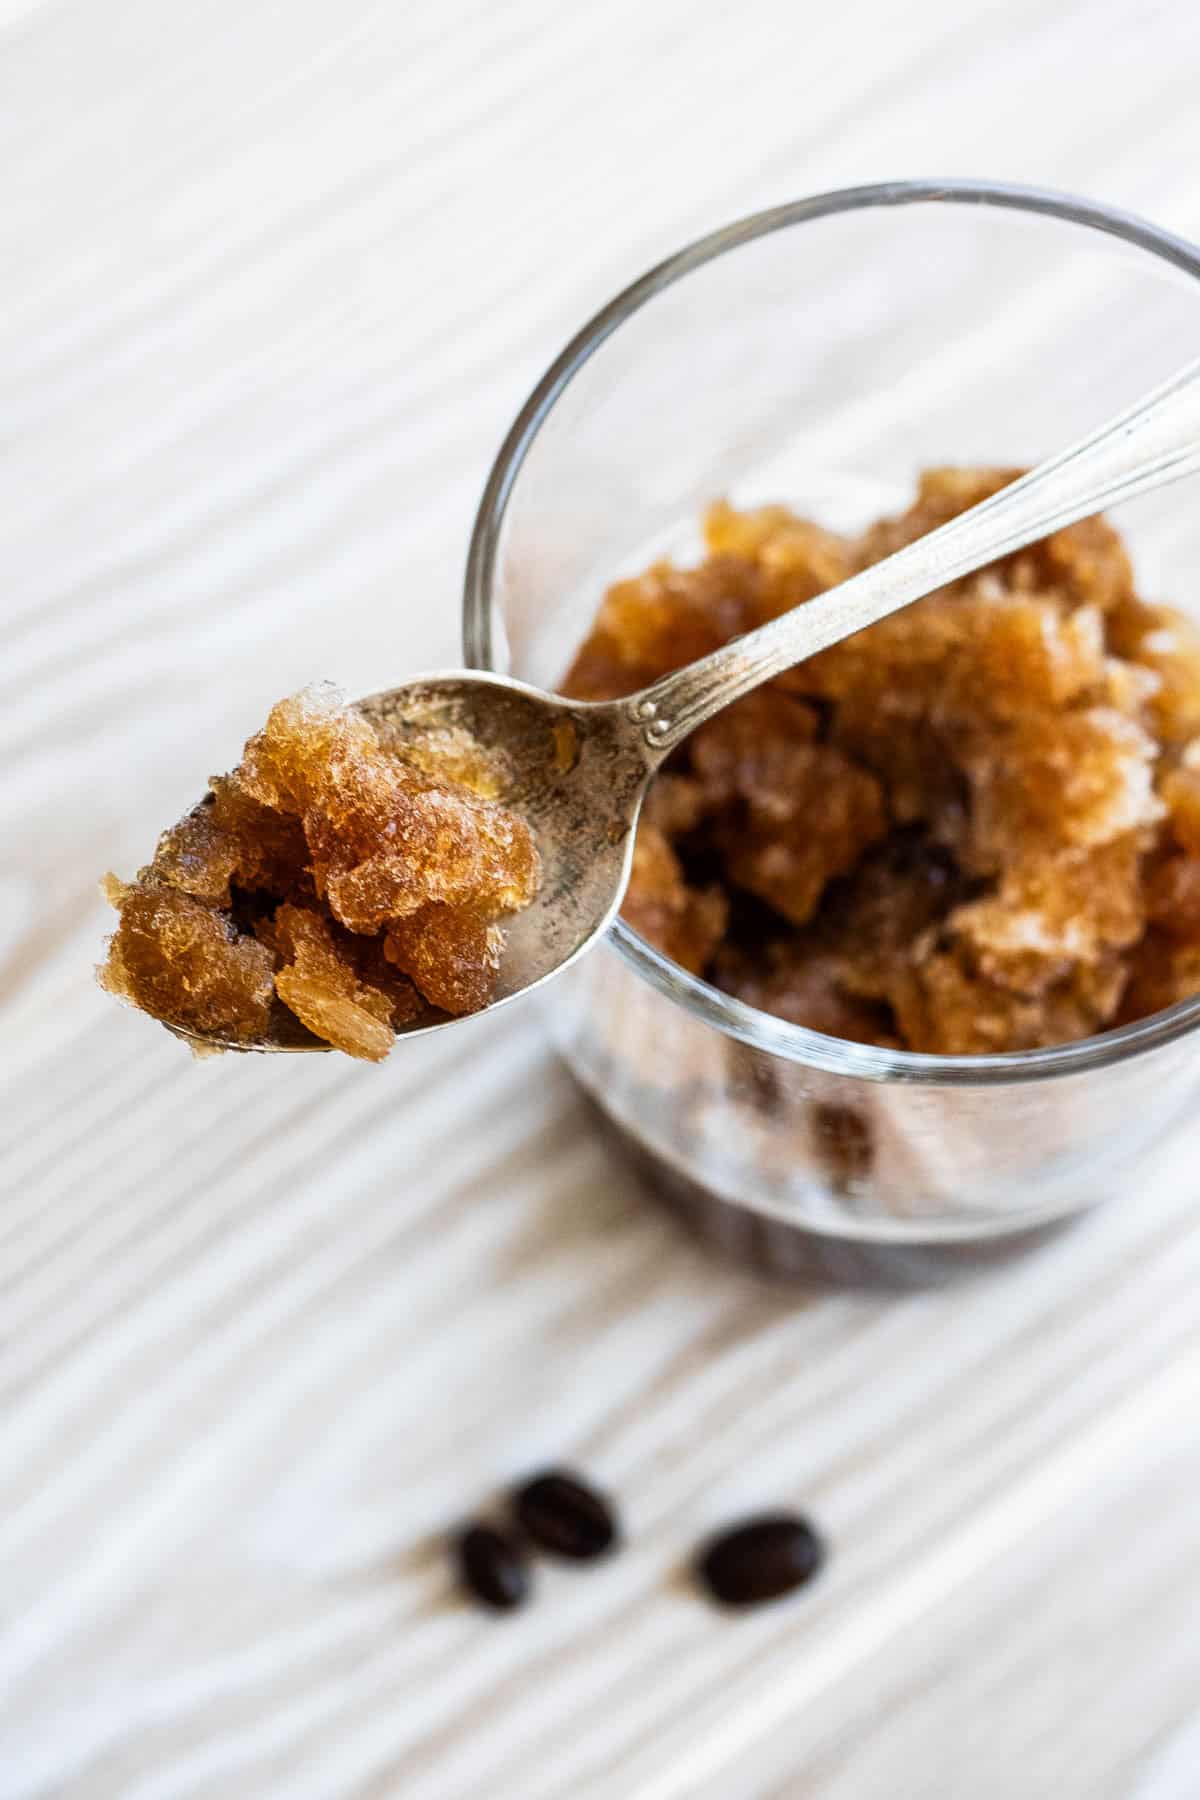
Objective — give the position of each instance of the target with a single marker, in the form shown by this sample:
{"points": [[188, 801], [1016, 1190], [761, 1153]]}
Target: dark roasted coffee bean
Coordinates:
{"points": [[492, 1567], [761, 1560], [565, 1516]]}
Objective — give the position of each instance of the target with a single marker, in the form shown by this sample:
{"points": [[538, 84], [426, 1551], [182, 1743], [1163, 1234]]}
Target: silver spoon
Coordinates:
{"points": [[578, 772]]}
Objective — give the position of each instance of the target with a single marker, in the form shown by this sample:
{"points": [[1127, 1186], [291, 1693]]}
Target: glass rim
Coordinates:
{"points": [[776, 1037]]}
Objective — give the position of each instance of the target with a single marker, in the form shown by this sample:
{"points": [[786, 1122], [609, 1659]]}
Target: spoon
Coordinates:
{"points": [[578, 771]]}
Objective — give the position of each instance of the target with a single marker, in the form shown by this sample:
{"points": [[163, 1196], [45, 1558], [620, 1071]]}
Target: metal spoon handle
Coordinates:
{"points": [[1157, 440]]}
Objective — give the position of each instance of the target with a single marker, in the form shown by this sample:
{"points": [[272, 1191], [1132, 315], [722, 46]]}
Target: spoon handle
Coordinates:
{"points": [[1157, 440]]}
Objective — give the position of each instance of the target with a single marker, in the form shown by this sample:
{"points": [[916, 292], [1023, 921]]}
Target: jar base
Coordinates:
{"points": [[781, 1251]]}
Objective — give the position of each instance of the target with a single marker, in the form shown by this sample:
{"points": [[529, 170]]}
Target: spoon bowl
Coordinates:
{"points": [[574, 771]]}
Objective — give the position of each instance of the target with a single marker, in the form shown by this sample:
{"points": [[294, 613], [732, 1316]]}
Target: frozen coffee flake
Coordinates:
{"points": [[183, 960]]}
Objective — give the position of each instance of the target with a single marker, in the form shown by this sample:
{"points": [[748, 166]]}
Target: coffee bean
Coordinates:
{"points": [[565, 1516], [492, 1567], [762, 1559]]}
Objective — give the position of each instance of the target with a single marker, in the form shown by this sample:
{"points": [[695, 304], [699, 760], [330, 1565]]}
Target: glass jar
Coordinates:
{"points": [[821, 354]]}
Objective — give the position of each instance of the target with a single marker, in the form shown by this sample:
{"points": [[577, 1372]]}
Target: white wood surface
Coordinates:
{"points": [[275, 277]]}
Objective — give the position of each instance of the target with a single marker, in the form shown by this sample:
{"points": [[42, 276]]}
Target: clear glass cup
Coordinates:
{"points": [[821, 354]]}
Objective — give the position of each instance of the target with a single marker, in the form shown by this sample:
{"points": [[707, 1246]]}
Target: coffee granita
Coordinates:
{"points": [[358, 882], [973, 827]]}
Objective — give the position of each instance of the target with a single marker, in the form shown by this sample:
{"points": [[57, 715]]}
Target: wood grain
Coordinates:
{"points": [[275, 280]]}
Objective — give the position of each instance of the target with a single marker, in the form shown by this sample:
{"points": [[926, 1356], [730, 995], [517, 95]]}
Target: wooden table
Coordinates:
{"points": [[275, 278]]}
